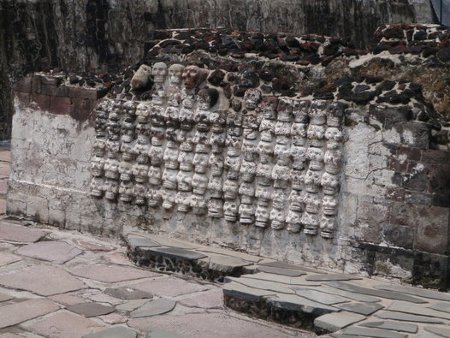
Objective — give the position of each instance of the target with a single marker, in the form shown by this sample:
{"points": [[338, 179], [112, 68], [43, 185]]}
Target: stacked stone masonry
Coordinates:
{"points": [[296, 148]]}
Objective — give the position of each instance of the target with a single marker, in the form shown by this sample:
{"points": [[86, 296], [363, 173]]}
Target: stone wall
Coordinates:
{"points": [[282, 146], [102, 35]]}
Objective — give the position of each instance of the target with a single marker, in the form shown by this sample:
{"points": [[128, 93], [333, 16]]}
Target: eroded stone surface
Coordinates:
{"points": [[128, 293], [211, 299], [177, 252], [7, 258], [209, 324], [43, 280], [320, 297], [113, 332], [415, 291], [441, 331], [17, 233], [444, 307], [377, 293], [417, 310], [90, 309], [234, 289], [361, 308], [332, 322], [153, 308], [396, 326], [280, 271], [64, 324], [408, 317], [109, 274], [16, 313], [296, 303], [262, 284], [169, 287], [362, 331], [225, 263], [281, 279], [137, 241], [331, 277], [161, 334], [53, 251], [350, 295]]}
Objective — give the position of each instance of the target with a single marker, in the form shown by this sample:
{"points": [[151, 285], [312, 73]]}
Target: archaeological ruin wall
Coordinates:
{"points": [[286, 147]]}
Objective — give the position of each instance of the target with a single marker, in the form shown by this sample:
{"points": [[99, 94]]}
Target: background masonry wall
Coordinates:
{"points": [[393, 200], [104, 35]]}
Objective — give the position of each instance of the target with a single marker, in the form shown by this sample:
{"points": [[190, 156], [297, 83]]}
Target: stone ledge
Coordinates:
{"points": [[177, 257]]}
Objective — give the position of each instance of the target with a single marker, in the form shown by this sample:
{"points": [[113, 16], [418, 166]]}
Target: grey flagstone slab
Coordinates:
{"points": [[440, 331], [361, 308], [337, 320], [389, 325], [369, 332], [177, 253], [417, 310], [408, 317], [377, 293], [415, 291], [318, 296]]}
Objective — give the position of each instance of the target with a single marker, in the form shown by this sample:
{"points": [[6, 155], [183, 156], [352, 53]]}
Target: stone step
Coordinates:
{"points": [[174, 256], [337, 304]]}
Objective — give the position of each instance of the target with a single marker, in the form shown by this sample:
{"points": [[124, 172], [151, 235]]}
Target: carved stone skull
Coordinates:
{"points": [[97, 187], [154, 198], [262, 216], [141, 77], [311, 223], [170, 179], [293, 219], [140, 172], [175, 74], [159, 72], [193, 77], [199, 183], [327, 226], [315, 157], [329, 205], [231, 208], [330, 183], [111, 189], [126, 171], [154, 175], [252, 98], [97, 166], [184, 179], [126, 191], [215, 208]]}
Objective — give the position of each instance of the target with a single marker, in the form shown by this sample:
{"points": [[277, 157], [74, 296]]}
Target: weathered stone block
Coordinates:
{"points": [[415, 134], [56, 217], [431, 271], [43, 101], [60, 105], [398, 235], [432, 230], [37, 209], [389, 116], [24, 84]]}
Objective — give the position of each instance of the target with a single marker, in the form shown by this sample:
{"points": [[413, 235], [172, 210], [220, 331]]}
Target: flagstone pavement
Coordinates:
{"points": [[58, 283]]}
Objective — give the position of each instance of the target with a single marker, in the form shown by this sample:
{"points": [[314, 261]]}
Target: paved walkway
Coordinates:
{"points": [[64, 284]]}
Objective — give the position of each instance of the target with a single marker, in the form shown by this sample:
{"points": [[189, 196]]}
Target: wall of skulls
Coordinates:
{"points": [[274, 164]]}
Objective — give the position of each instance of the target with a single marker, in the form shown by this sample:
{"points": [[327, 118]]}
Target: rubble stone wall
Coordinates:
{"points": [[276, 145], [102, 35]]}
